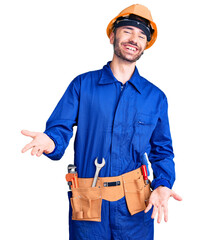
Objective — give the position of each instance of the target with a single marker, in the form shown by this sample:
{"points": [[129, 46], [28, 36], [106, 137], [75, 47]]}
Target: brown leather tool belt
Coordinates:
{"points": [[86, 201]]}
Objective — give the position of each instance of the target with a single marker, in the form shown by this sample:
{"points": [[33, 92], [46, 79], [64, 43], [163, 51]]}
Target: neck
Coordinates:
{"points": [[122, 70]]}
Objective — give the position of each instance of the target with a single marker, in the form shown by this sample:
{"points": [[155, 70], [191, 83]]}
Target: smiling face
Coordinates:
{"points": [[129, 43]]}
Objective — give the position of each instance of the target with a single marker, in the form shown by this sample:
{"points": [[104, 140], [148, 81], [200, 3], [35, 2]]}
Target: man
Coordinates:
{"points": [[120, 116]]}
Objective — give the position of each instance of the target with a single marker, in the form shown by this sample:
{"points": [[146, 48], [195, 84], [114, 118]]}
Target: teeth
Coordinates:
{"points": [[130, 48]]}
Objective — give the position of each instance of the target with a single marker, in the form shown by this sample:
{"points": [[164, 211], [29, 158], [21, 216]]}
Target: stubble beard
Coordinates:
{"points": [[119, 54]]}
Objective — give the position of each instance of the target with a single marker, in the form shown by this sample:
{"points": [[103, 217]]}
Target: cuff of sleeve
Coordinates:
{"points": [[57, 153], [160, 182]]}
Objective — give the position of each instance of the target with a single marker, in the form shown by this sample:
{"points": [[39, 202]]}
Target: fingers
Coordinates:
{"points": [[159, 200], [176, 196], [28, 133], [160, 210], [148, 207], [166, 213], [35, 150], [39, 153], [27, 147], [155, 210]]}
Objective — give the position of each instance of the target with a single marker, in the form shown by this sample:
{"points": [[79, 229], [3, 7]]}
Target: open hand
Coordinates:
{"points": [[40, 143], [159, 199]]}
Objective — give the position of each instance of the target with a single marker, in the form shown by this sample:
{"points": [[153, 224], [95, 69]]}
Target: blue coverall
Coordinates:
{"points": [[118, 122]]}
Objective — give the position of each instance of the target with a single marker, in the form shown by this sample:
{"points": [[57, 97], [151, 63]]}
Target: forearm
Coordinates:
{"points": [[59, 126], [164, 173], [161, 155]]}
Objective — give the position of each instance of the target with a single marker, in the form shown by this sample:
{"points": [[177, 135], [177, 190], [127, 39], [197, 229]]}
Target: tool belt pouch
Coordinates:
{"points": [[137, 194], [86, 204]]}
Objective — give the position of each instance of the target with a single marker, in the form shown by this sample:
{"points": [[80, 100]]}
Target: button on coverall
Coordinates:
{"points": [[118, 122]]}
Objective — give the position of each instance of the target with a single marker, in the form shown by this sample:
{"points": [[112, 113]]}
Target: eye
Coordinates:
{"points": [[126, 32], [142, 37]]}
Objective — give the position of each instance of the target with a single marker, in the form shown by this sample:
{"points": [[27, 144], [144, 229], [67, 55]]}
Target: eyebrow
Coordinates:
{"points": [[126, 27]]}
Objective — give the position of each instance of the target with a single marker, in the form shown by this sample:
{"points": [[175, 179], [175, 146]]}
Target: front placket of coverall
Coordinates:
{"points": [[116, 158]]}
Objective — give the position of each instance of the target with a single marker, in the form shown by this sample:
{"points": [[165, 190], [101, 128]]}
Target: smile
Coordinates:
{"points": [[131, 48]]}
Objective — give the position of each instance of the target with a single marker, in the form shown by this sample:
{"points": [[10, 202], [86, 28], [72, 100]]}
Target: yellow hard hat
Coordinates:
{"points": [[138, 10]]}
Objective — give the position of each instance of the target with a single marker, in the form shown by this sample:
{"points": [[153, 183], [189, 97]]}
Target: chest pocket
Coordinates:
{"points": [[144, 127]]}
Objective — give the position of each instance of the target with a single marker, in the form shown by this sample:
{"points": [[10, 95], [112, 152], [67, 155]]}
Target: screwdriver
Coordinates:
{"points": [[144, 172]]}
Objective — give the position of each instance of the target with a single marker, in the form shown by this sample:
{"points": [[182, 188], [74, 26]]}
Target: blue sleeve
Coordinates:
{"points": [[59, 126], [161, 154]]}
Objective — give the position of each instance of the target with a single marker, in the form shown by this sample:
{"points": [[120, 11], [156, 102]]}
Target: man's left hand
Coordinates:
{"points": [[159, 199]]}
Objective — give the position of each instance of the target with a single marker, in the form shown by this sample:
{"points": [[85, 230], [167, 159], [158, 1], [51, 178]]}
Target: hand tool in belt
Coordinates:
{"points": [[72, 176], [144, 172], [98, 168]]}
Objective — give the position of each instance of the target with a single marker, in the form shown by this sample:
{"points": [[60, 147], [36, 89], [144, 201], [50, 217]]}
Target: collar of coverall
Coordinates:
{"points": [[107, 77]]}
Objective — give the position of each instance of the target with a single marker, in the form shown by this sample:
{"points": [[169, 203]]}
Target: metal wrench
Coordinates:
{"points": [[98, 168]]}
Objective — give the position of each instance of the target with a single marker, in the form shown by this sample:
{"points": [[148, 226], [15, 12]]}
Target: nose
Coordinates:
{"points": [[133, 39]]}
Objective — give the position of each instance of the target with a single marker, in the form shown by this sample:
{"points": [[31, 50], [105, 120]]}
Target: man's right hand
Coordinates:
{"points": [[40, 143]]}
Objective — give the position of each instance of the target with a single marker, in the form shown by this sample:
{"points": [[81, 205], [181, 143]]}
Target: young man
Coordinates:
{"points": [[120, 116]]}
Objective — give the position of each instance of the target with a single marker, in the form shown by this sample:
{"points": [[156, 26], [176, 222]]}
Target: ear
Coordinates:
{"points": [[112, 37]]}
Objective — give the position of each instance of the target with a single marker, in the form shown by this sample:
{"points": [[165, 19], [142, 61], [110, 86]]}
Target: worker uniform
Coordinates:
{"points": [[118, 122]]}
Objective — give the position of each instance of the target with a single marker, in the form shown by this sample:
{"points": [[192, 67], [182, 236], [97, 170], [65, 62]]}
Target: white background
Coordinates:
{"points": [[44, 44]]}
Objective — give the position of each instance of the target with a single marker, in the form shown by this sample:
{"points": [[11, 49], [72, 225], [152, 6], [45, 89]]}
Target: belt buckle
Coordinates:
{"points": [[112, 184]]}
